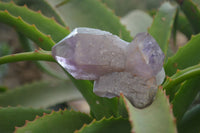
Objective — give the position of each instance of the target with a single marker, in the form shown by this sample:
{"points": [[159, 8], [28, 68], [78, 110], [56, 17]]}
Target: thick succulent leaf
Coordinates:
{"points": [[56, 122], [110, 125], [122, 7], [40, 94], [190, 121], [156, 118], [183, 25], [30, 31], [91, 13], [138, 25], [123, 112], [186, 56], [100, 106], [10, 117], [191, 8], [162, 25], [44, 24], [43, 6], [185, 96], [180, 76]]}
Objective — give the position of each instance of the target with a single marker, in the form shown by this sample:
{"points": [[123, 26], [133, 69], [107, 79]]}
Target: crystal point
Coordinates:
{"points": [[90, 53], [144, 56]]}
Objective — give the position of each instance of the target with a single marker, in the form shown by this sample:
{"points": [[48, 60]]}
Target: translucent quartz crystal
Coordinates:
{"points": [[133, 69], [90, 53], [144, 56], [139, 91]]}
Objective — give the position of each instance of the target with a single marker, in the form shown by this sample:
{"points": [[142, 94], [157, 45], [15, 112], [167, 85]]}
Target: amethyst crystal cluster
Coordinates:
{"points": [[134, 69]]}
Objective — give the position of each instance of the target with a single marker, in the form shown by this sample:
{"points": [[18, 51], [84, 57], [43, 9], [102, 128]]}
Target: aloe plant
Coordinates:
{"points": [[175, 107]]}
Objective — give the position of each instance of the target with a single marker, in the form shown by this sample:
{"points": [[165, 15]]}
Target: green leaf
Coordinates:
{"points": [[185, 96], [184, 26], [137, 21], [91, 13], [40, 94], [16, 116], [111, 125], [30, 31], [56, 122], [180, 76], [192, 11], [123, 112], [43, 6], [190, 121], [186, 56], [42, 23], [162, 25], [100, 107], [25, 56], [156, 118], [122, 7]]}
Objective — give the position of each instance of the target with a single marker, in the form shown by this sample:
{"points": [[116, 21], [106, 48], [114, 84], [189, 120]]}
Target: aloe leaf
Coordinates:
{"points": [[40, 94], [44, 24], [25, 56], [192, 11], [16, 116], [43, 6], [162, 25], [185, 96], [100, 106], [190, 121], [180, 76], [123, 112], [137, 21], [186, 56], [30, 31], [56, 122], [122, 7], [184, 26], [156, 118], [110, 125], [91, 13]]}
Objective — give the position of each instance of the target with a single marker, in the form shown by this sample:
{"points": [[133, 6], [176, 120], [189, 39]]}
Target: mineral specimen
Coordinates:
{"points": [[133, 69], [90, 53]]}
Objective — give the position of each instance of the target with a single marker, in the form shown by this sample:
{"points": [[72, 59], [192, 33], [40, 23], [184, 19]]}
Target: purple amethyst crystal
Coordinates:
{"points": [[139, 91], [144, 56], [90, 53], [133, 69]]}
